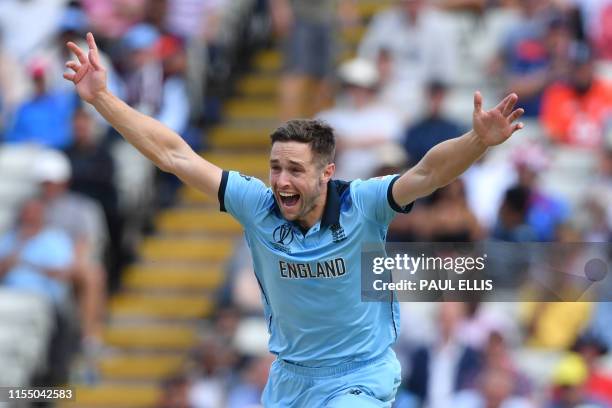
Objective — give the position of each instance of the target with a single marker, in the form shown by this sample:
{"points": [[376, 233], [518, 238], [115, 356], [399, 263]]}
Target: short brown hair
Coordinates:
{"points": [[318, 134]]}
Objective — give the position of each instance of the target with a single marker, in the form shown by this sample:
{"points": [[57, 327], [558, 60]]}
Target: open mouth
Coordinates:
{"points": [[289, 199]]}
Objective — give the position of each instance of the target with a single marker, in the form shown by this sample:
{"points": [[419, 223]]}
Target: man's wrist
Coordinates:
{"points": [[101, 97], [477, 140]]}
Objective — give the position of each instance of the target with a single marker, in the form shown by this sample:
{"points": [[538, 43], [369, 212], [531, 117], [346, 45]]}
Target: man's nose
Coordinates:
{"points": [[283, 179]]}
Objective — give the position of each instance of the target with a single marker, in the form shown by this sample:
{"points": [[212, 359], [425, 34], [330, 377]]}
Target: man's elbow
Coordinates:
{"points": [[170, 161], [431, 179], [165, 165]]}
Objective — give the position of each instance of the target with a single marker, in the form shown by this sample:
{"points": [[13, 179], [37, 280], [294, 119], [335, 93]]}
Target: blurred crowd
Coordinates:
{"points": [[76, 198], [407, 86]]}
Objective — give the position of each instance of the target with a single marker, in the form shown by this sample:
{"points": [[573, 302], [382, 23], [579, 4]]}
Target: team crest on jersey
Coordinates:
{"points": [[337, 233], [283, 235]]}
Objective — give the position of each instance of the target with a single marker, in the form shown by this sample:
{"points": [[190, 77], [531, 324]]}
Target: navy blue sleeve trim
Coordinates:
{"points": [[221, 193], [395, 206]]}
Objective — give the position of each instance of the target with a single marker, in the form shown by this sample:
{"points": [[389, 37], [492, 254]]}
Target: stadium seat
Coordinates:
{"points": [[16, 183], [538, 365], [134, 176], [27, 310], [16, 160], [25, 329]]}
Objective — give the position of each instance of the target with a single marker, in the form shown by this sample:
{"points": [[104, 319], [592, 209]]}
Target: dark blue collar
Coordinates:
{"points": [[331, 212]]}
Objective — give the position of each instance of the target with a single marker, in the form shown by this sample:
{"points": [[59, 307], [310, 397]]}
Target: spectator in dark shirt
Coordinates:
{"points": [[446, 366], [433, 128], [93, 169], [509, 263], [533, 52], [93, 175], [512, 223]]}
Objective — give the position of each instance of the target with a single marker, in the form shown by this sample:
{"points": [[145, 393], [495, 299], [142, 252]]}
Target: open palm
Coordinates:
{"points": [[88, 76], [495, 126]]}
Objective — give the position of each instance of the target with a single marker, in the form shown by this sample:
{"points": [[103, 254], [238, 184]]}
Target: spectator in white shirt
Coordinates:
{"points": [[362, 124]]}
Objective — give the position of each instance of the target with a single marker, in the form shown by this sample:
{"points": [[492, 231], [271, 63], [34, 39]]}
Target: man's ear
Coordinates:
{"points": [[328, 171]]}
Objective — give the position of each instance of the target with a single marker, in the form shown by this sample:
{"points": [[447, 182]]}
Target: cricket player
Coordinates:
{"points": [[305, 234]]}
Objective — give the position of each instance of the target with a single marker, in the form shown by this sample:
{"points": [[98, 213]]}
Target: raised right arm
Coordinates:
{"points": [[166, 149], [159, 144]]}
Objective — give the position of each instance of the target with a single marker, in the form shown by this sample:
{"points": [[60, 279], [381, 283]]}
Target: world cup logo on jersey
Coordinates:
{"points": [[283, 236]]}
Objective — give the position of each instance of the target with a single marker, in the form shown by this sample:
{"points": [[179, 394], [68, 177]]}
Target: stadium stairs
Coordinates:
{"points": [[156, 319]]}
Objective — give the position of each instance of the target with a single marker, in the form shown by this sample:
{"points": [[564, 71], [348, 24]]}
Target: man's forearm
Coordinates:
{"points": [[448, 160], [149, 136], [159, 144], [451, 158]]}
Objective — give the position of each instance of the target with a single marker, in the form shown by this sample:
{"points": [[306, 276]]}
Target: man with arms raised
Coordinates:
{"points": [[305, 234]]}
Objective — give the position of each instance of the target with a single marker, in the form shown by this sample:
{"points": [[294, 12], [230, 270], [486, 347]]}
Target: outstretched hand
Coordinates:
{"points": [[495, 126], [88, 76]]}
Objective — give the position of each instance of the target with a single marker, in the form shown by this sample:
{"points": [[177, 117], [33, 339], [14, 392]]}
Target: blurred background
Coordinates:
{"points": [[136, 290]]}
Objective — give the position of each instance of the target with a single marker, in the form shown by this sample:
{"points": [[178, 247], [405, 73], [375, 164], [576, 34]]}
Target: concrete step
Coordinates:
{"points": [[251, 108], [181, 306], [268, 61], [115, 395], [173, 277], [178, 220], [352, 37], [148, 367], [368, 8], [258, 85], [151, 336], [191, 196], [240, 138], [185, 249], [247, 163]]}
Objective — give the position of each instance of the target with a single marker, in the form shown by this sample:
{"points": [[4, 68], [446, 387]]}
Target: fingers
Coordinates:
{"points": [[78, 52], [94, 58], [509, 106], [502, 105], [517, 126], [91, 42], [516, 114], [79, 71], [73, 65], [477, 102]]}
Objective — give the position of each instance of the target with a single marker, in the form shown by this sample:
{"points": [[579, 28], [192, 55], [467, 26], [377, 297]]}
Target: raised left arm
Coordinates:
{"points": [[448, 160]]}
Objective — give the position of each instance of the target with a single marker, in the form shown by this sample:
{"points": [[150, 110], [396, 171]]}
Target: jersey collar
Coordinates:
{"points": [[331, 212]]}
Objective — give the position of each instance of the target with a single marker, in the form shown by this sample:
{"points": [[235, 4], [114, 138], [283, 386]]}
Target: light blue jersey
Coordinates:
{"points": [[311, 283]]}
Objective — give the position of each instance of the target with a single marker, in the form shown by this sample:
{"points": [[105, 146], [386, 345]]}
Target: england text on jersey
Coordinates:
{"points": [[332, 268]]}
